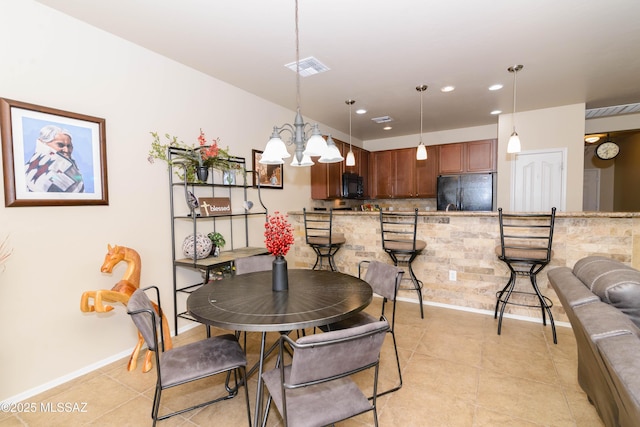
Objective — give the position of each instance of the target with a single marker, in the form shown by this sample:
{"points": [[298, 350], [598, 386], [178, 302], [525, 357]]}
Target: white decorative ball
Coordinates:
{"points": [[203, 246]]}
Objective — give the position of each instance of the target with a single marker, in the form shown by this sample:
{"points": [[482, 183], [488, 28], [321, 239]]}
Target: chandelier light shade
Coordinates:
{"points": [[332, 154], [421, 153], [351, 159], [306, 138], [514, 146]]}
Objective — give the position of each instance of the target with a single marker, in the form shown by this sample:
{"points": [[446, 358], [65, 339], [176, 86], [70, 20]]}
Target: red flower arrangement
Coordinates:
{"points": [[208, 155], [278, 234]]}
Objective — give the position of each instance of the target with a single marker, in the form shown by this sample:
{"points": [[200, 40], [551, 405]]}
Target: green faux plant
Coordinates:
{"points": [[217, 239]]}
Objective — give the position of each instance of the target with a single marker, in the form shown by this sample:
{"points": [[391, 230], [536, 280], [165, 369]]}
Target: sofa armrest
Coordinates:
{"points": [[570, 290]]}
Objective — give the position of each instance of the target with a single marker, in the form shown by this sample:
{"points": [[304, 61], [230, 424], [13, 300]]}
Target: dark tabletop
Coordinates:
{"points": [[247, 303]]}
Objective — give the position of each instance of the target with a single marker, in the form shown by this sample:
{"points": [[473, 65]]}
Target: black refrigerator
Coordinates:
{"points": [[468, 192]]}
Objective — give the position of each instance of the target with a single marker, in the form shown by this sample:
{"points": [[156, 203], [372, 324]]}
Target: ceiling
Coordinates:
{"points": [[378, 51]]}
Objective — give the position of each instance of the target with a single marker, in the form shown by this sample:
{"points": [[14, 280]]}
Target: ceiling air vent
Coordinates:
{"points": [[614, 110], [383, 119], [308, 66]]}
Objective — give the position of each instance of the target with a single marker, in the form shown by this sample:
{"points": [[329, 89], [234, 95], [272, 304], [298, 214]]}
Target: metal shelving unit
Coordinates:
{"points": [[186, 220]]}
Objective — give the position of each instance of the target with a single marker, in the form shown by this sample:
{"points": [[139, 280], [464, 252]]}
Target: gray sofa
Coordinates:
{"points": [[602, 299]]}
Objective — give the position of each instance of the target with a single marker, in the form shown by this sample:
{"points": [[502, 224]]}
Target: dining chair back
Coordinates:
{"points": [[252, 264], [525, 247], [319, 235], [384, 280], [320, 372], [187, 363]]}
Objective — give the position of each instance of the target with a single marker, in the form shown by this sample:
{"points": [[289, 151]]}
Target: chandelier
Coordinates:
{"points": [[306, 138]]}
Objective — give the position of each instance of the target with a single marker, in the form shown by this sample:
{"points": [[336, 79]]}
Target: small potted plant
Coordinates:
{"points": [[218, 242]]}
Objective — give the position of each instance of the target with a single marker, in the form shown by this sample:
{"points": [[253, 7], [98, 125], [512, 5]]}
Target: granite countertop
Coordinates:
{"points": [[487, 213]]}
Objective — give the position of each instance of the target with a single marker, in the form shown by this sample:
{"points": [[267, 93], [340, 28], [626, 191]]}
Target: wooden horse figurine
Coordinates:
{"points": [[121, 293]]}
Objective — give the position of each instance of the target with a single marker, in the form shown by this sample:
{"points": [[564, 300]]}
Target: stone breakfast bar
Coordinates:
{"points": [[465, 243]]}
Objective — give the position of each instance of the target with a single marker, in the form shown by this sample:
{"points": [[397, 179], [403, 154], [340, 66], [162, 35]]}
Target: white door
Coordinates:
{"points": [[591, 190], [538, 181]]}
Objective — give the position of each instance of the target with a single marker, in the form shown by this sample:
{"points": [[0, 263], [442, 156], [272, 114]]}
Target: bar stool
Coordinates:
{"points": [[525, 246], [399, 241], [320, 236]]}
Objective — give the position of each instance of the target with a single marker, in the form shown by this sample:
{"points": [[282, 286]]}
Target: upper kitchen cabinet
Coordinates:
{"points": [[397, 174], [427, 174], [382, 174], [326, 178], [468, 157]]}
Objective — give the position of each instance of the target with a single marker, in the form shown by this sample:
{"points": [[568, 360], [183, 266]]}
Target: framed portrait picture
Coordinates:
{"points": [[269, 176], [52, 157]]}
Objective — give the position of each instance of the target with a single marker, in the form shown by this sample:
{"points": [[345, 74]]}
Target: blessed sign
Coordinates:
{"points": [[211, 206]]}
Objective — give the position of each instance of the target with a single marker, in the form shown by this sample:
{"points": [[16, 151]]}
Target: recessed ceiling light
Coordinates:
{"points": [[361, 111], [387, 128], [447, 89], [496, 112], [495, 87]]}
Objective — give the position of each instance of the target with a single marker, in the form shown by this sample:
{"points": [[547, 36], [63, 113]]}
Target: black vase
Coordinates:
{"points": [[279, 275], [202, 172]]}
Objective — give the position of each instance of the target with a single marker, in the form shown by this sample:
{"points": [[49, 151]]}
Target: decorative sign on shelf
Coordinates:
{"points": [[211, 206]]}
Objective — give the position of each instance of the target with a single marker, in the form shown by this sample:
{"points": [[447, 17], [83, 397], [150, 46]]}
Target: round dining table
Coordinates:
{"points": [[247, 303]]}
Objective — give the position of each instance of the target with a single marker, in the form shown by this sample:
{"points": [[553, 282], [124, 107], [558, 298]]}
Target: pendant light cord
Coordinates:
{"points": [[421, 92], [513, 119], [297, 61]]}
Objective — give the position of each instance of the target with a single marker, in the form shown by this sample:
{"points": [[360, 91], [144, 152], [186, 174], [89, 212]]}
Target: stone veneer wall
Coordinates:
{"points": [[465, 242]]}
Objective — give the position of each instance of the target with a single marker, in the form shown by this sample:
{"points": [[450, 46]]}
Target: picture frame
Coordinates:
{"points": [[229, 177], [269, 176], [52, 157]]}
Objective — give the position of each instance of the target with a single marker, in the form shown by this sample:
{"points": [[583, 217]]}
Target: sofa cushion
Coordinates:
{"points": [[568, 289], [614, 282]]}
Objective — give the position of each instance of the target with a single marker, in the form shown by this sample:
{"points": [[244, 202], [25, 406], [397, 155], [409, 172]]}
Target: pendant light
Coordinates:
{"points": [[514, 140], [351, 159], [305, 137], [421, 153]]}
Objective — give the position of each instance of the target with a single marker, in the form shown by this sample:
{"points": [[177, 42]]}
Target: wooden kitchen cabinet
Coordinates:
{"points": [[383, 173], [397, 174], [404, 173], [468, 157], [427, 174], [326, 178]]}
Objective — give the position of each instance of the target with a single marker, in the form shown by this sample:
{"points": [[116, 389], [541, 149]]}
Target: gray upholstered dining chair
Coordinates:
{"points": [[384, 279], [316, 388], [252, 264], [187, 363]]}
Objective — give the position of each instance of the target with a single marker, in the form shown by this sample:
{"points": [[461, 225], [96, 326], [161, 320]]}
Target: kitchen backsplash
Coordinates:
{"points": [[385, 204]]}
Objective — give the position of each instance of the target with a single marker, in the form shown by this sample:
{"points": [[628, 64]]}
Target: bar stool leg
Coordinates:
{"points": [[417, 284]]}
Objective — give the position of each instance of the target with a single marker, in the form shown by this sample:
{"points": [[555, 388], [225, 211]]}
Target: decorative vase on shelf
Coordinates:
{"points": [[202, 172], [279, 275]]}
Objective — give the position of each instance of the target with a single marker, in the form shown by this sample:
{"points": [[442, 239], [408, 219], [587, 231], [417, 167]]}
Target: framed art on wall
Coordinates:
{"points": [[269, 176], [52, 157]]}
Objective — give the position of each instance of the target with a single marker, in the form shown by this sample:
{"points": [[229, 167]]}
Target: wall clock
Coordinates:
{"points": [[607, 150]]}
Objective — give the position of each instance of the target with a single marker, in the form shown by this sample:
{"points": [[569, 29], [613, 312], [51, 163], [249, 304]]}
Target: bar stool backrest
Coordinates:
{"points": [[317, 226], [526, 237], [399, 231]]}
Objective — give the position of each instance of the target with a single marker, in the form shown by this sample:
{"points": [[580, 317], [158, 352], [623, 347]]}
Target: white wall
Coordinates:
{"points": [[433, 138], [52, 60], [559, 127]]}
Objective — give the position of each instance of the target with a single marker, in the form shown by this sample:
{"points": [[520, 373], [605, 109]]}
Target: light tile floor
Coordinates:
{"points": [[457, 372]]}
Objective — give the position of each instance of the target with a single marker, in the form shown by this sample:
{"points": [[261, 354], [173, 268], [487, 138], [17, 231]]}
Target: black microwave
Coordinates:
{"points": [[352, 187]]}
